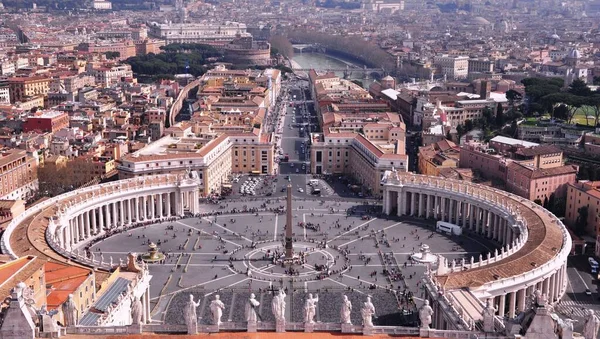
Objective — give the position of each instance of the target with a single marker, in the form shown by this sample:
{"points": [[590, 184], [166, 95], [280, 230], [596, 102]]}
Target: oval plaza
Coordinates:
{"points": [[530, 256]]}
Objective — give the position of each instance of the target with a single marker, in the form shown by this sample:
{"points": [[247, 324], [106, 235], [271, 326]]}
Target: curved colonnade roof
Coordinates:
{"points": [[28, 239], [544, 242]]}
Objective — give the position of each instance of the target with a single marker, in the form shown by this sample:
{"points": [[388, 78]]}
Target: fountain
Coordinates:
{"points": [[424, 255], [153, 255]]}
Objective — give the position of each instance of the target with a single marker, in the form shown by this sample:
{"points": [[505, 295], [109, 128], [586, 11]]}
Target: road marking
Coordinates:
{"points": [[304, 221], [353, 229], [368, 235], [228, 230], [235, 283], [581, 278], [213, 235], [339, 283], [201, 284], [275, 231]]}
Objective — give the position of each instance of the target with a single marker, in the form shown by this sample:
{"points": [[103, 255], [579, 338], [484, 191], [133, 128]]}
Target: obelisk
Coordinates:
{"points": [[288, 224]]}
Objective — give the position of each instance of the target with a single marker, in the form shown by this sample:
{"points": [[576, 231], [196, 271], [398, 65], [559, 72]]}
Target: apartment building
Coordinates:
{"points": [[537, 184], [4, 95], [354, 155], [108, 75], [584, 194], [46, 121], [18, 175], [482, 65], [453, 67], [125, 48], [22, 88], [207, 33], [437, 156], [527, 169], [212, 159]]}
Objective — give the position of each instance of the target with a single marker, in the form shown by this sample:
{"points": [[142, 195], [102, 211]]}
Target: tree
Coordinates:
{"points": [[551, 203], [596, 81], [499, 115], [580, 88], [594, 102], [513, 97], [110, 55], [582, 220], [448, 136], [488, 115], [546, 203], [538, 201], [282, 45], [571, 101], [468, 125], [460, 131]]}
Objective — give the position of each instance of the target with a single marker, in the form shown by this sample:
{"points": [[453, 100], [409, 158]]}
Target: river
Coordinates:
{"points": [[323, 61]]}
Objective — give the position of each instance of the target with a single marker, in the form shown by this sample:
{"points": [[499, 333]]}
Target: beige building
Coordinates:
{"points": [[22, 88], [453, 67], [213, 159], [437, 156], [354, 155], [18, 174], [584, 193]]}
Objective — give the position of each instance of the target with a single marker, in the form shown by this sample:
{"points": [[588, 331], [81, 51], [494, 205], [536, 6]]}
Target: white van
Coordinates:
{"points": [[313, 182]]}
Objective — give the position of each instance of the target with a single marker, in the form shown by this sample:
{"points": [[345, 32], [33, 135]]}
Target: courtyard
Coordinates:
{"points": [[232, 249]]}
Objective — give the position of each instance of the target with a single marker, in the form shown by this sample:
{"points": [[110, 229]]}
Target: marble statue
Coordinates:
{"points": [[278, 306], [251, 306], [217, 307], [425, 313], [189, 313], [345, 311], [489, 314], [591, 326], [367, 313], [310, 309], [136, 311], [69, 310]]}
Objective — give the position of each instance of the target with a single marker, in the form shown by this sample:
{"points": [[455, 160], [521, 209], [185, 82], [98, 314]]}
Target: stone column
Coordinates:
{"points": [[101, 218], [427, 206], [145, 207], [545, 286], [168, 204], [68, 236], [160, 205], [551, 289], [413, 203], [129, 216], [152, 207], [521, 301], [88, 226], [94, 224], [76, 229], [421, 205], [115, 221], [491, 225], [502, 305], [443, 209], [121, 213], [512, 299]]}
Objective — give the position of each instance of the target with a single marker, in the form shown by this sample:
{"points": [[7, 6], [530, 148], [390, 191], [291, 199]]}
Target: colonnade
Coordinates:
{"points": [[85, 223], [486, 220], [473, 216]]}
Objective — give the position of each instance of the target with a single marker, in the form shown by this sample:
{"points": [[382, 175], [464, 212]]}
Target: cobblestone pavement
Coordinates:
{"points": [[198, 253]]}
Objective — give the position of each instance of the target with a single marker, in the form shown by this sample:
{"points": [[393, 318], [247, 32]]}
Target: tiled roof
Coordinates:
{"points": [[544, 241]]}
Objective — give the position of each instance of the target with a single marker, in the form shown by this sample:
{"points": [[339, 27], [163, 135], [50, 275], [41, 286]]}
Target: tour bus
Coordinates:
{"points": [[593, 265], [448, 228]]}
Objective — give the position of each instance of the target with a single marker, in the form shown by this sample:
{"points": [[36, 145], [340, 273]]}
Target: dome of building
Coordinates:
{"points": [[574, 54], [387, 78], [480, 21]]}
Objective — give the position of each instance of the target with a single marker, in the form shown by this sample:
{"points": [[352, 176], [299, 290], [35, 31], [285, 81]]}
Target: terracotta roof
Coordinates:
{"points": [[535, 173], [544, 242], [538, 150]]}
